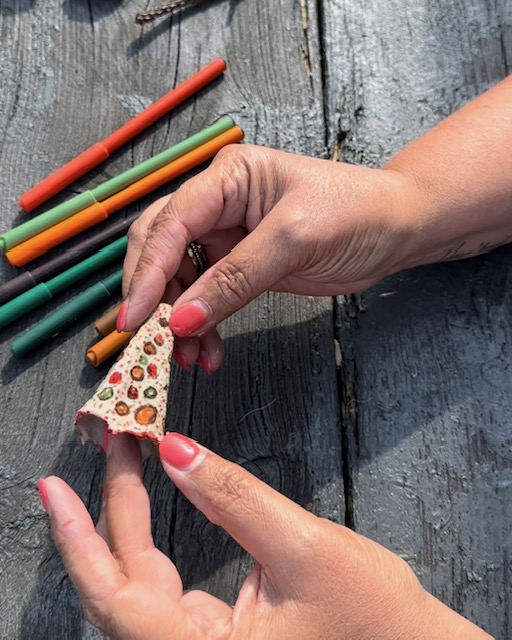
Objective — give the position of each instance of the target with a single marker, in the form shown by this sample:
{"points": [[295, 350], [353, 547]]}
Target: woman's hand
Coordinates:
{"points": [[273, 220], [313, 578], [267, 220]]}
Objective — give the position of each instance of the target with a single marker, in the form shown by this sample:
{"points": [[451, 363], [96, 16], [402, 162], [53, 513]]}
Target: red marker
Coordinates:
{"points": [[100, 151]]}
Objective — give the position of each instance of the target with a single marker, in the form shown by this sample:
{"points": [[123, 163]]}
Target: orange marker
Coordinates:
{"points": [[100, 151], [108, 346], [40, 244]]}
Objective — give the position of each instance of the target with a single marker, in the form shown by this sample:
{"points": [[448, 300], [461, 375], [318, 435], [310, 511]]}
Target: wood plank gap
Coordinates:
{"points": [[323, 73], [345, 312]]}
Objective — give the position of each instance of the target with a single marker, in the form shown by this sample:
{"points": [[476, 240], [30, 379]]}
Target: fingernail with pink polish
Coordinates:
{"points": [[190, 317], [121, 316], [43, 496], [179, 451]]}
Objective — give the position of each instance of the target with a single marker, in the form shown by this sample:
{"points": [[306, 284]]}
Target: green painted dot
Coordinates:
{"points": [[143, 360], [150, 392], [106, 393]]}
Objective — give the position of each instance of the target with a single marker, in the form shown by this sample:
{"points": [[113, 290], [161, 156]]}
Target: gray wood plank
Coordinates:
{"points": [[72, 72], [425, 355]]}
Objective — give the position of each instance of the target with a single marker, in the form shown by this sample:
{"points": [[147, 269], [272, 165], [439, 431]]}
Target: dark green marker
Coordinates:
{"points": [[46, 291], [53, 324]]}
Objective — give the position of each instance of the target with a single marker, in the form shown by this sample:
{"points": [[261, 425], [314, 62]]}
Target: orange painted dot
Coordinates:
{"points": [[137, 373], [122, 409], [145, 414], [149, 348]]}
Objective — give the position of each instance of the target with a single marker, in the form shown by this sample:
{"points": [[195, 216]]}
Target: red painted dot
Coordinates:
{"points": [[152, 370], [133, 393], [115, 378], [159, 339]]}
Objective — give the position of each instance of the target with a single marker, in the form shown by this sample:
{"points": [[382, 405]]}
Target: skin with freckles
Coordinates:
{"points": [[312, 578]]}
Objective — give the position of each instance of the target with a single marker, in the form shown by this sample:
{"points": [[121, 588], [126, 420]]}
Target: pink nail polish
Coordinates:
{"points": [[178, 450], [43, 496], [121, 316], [190, 318]]}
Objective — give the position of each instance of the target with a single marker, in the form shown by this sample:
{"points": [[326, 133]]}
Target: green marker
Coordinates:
{"points": [[53, 324], [62, 211], [46, 291]]}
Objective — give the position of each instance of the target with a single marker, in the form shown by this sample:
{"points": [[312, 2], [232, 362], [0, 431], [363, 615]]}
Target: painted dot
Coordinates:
{"points": [[106, 393], [115, 378], [122, 409], [163, 322], [132, 393], [152, 370], [143, 360], [159, 339], [146, 414], [150, 392], [149, 348], [137, 373]]}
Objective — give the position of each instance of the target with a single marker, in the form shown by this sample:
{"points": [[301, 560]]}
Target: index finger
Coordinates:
{"points": [[216, 198], [274, 530], [137, 235]]}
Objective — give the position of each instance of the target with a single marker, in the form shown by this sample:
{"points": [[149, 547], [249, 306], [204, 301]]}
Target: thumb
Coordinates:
{"points": [[254, 266], [278, 533]]}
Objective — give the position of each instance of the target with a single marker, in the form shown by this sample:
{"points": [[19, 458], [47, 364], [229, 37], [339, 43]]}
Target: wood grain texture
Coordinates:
{"points": [[421, 377], [72, 72], [425, 356]]}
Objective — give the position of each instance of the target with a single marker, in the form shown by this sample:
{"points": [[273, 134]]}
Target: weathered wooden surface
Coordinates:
{"points": [[423, 378], [71, 73], [426, 355]]}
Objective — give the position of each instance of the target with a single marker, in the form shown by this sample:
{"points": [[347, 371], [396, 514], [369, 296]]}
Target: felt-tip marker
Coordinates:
{"points": [[46, 291], [43, 242], [56, 322], [100, 151], [66, 258], [49, 218]]}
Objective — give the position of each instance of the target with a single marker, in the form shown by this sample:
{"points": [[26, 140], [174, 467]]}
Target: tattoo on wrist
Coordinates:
{"points": [[459, 252]]}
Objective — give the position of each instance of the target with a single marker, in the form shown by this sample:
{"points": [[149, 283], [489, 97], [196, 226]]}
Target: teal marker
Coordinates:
{"points": [[53, 324], [45, 291], [27, 230]]}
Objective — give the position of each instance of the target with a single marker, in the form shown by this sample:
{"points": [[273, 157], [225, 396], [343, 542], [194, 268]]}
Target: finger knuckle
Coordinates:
{"points": [[231, 493], [234, 287], [230, 154], [235, 166], [136, 232]]}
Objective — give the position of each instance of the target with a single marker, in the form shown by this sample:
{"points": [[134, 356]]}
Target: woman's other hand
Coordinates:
{"points": [[312, 578]]}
